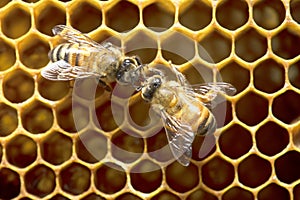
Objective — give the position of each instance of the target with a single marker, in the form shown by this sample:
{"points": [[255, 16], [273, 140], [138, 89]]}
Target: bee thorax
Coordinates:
{"points": [[166, 98]]}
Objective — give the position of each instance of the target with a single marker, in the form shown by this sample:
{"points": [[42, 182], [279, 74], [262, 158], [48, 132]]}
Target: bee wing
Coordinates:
{"points": [[180, 138], [74, 36], [63, 71], [214, 87]]}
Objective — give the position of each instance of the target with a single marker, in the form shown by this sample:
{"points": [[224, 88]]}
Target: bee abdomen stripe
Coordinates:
{"points": [[202, 128], [67, 53], [53, 54], [77, 55], [212, 126], [58, 52]]}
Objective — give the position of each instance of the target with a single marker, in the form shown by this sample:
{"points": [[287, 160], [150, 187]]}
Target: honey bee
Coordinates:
{"points": [[184, 109], [81, 57]]}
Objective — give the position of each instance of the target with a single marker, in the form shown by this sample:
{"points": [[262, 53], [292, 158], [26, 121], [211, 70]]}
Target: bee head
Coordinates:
{"points": [[150, 87], [127, 64]]}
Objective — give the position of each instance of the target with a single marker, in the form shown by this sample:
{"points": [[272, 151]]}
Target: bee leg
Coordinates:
{"points": [[107, 44], [104, 85], [180, 77]]}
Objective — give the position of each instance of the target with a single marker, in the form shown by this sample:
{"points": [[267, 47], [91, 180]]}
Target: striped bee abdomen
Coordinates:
{"points": [[207, 122], [73, 53]]}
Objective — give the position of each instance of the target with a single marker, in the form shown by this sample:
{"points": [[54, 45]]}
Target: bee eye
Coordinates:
{"points": [[156, 82], [127, 62]]}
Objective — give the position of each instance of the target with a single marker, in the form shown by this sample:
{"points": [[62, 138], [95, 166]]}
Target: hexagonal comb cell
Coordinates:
{"points": [[286, 167], [72, 116], [92, 16], [105, 119], [143, 45], [7, 55], [123, 16], [232, 14], [34, 52], [159, 16], [182, 179], [44, 17], [88, 89], [221, 173], [8, 119], [37, 117], [110, 178], [269, 76], [91, 146], [21, 151], [284, 43], [250, 45], [75, 178], [222, 112], [10, 183], [237, 75], [253, 171], [16, 21], [214, 47], [127, 148], [138, 117], [203, 147], [197, 72], [105, 35], [271, 138], [269, 13], [286, 107], [178, 48], [146, 176], [53, 90], [40, 180], [158, 147], [56, 148], [195, 16], [18, 86], [252, 108], [235, 141]]}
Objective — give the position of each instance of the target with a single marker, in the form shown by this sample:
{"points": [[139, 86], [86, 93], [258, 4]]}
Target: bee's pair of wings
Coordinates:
{"points": [[74, 36], [62, 70], [181, 136]]}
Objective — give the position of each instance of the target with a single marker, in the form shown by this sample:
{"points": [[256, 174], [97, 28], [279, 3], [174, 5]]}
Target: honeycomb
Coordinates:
{"points": [[46, 153]]}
